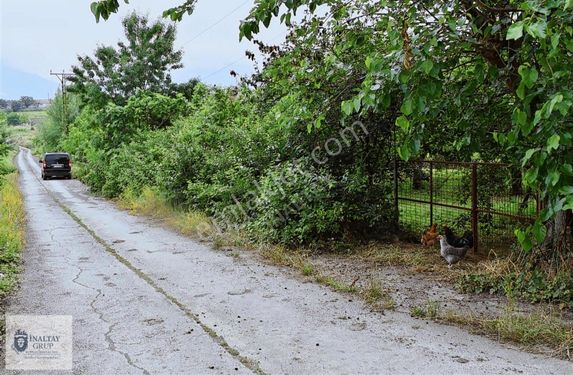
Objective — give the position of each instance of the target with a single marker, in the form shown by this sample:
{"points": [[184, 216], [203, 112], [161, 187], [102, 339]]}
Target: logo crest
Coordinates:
{"points": [[20, 341]]}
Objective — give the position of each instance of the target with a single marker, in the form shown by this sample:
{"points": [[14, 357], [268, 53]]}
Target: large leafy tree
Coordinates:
{"points": [[27, 101], [489, 69], [458, 58], [142, 62]]}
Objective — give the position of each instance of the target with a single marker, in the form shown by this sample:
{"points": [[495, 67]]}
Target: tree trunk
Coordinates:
{"points": [[516, 184], [558, 243]]}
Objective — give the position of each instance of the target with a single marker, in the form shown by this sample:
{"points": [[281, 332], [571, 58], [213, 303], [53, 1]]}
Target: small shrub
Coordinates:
{"points": [[430, 310], [307, 269], [530, 285], [294, 205]]}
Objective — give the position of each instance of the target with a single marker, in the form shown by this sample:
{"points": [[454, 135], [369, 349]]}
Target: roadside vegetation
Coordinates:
{"points": [[299, 156], [12, 218], [537, 332]]}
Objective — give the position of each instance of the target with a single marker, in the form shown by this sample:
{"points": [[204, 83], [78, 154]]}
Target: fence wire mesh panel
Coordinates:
{"points": [[486, 198]]}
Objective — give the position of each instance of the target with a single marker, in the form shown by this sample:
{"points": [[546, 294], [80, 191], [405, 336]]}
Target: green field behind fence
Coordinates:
{"points": [[452, 186]]}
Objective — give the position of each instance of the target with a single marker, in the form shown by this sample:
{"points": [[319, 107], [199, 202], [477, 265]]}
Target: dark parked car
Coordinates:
{"points": [[56, 164]]}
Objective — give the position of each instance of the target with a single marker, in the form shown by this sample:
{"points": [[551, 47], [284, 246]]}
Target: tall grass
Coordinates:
{"points": [[151, 203], [11, 231]]}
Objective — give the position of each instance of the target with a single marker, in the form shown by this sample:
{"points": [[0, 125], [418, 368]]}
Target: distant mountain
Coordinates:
{"points": [[15, 84]]}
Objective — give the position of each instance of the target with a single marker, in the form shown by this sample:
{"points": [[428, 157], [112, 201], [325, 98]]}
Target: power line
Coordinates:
{"points": [[273, 40], [62, 77], [216, 22], [225, 67]]}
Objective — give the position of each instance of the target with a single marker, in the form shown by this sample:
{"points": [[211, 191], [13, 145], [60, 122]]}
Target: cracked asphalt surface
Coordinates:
{"points": [[146, 300]]}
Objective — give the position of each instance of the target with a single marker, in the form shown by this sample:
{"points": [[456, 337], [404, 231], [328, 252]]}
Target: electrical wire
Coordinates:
{"points": [[216, 22]]}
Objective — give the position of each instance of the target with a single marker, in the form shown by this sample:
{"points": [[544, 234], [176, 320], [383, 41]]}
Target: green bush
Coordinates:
{"points": [[532, 285], [133, 166], [294, 204], [224, 154], [14, 118]]}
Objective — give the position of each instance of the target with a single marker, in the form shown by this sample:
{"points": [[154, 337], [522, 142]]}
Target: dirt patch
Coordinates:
{"points": [[426, 279]]}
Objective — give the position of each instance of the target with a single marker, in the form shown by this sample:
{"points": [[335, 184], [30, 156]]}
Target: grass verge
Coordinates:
{"points": [[150, 203], [540, 329], [535, 332], [11, 232]]}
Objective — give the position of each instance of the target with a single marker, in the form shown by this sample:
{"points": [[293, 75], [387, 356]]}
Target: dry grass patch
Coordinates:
{"points": [[377, 296], [536, 331], [337, 285]]}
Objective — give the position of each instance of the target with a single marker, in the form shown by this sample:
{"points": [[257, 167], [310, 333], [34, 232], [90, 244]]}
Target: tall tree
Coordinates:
{"points": [[513, 52], [451, 60], [27, 101], [143, 62], [16, 105]]}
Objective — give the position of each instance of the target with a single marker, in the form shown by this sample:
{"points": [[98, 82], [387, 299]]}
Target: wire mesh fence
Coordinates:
{"points": [[486, 198]]}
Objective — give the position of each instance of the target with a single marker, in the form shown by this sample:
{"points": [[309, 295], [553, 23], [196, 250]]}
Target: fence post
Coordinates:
{"points": [[396, 207], [475, 207], [431, 193]]}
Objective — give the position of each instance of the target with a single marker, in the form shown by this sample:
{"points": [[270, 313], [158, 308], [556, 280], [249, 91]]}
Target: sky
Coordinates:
{"points": [[37, 36]]}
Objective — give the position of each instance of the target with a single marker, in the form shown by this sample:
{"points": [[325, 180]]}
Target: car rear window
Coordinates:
{"points": [[57, 159]]}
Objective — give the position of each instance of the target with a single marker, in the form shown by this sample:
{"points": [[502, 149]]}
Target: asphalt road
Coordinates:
{"points": [[146, 300]]}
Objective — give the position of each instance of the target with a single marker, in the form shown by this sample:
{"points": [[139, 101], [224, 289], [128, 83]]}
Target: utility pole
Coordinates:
{"points": [[62, 77]]}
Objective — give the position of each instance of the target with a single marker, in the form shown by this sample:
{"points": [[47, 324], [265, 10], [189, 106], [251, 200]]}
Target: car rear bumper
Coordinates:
{"points": [[57, 172]]}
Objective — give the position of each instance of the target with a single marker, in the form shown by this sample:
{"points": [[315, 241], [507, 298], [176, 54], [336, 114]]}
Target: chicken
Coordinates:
{"points": [[466, 240], [429, 238], [450, 253]]}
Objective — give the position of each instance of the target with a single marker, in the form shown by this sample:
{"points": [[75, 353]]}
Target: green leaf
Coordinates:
{"points": [[524, 240], [568, 4], [406, 107], [537, 117], [528, 75], [404, 152], [428, 65], [520, 91], [515, 31], [519, 234], [546, 214], [416, 145], [555, 40], [403, 123], [537, 29], [356, 104], [531, 175], [540, 231], [567, 169], [553, 142], [554, 177], [566, 190], [386, 101], [368, 62], [528, 154], [558, 205], [95, 10], [347, 107], [404, 76], [556, 99], [521, 117]]}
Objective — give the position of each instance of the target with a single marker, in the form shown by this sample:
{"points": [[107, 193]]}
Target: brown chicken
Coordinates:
{"points": [[430, 237]]}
